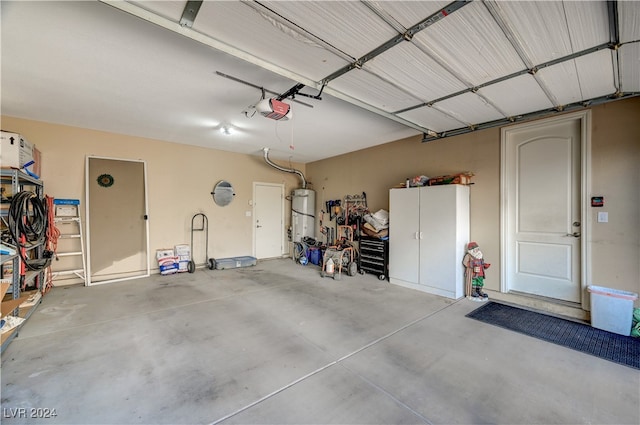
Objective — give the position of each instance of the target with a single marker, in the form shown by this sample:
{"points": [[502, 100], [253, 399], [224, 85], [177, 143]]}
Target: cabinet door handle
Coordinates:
{"points": [[420, 235], [416, 235]]}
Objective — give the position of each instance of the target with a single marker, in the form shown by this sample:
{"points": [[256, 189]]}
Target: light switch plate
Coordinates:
{"points": [[603, 217]]}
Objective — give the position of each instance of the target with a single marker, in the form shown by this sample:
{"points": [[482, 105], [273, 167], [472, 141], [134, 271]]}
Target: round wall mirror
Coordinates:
{"points": [[223, 193]]}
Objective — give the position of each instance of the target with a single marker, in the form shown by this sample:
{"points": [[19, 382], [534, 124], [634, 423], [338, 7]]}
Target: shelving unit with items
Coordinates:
{"points": [[24, 259]]}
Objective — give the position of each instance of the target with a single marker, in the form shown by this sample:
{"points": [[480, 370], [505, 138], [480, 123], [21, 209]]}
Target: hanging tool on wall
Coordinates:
{"points": [[334, 208], [27, 223], [337, 208], [321, 219], [355, 207]]}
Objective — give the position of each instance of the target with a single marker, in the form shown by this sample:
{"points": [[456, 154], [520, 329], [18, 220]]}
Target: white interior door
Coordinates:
{"points": [[542, 214], [268, 220], [116, 215]]}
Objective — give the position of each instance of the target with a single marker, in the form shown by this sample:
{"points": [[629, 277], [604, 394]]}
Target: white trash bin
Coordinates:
{"points": [[612, 309]]}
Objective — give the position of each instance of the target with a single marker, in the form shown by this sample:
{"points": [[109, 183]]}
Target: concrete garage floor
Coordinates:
{"points": [[278, 344]]}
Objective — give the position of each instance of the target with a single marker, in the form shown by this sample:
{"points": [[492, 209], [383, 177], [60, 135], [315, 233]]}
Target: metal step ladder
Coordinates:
{"points": [[70, 240]]}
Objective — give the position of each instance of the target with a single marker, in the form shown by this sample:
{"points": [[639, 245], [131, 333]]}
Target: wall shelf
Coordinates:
{"points": [[16, 302]]}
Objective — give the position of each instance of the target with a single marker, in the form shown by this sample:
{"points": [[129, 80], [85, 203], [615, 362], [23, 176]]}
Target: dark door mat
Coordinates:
{"points": [[620, 349]]}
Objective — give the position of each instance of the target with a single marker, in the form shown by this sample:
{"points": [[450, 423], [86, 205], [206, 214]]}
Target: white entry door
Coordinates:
{"points": [[268, 220], [542, 221]]}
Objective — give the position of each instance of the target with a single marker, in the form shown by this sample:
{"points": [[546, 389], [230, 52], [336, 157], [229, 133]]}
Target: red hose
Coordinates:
{"points": [[53, 234]]}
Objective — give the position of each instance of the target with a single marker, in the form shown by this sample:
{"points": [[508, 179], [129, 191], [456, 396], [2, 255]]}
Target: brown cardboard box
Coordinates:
{"points": [[461, 178], [36, 168]]}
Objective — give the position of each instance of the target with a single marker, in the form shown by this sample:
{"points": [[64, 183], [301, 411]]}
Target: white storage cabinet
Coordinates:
{"points": [[428, 235]]}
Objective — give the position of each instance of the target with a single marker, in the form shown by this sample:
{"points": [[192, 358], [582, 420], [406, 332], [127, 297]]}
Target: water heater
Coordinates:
{"points": [[303, 204]]}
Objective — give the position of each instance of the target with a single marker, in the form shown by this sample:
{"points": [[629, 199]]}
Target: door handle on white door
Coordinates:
{"points": [[574, 234], [420, 235]]}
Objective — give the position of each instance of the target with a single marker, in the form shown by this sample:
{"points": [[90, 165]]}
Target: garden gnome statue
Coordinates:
{"points": [[474, 273]]}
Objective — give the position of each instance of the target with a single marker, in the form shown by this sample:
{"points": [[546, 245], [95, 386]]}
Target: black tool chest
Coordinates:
{"points": [[374, 256]]}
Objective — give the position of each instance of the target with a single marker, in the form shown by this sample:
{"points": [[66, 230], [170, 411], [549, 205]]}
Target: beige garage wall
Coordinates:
{"points": [[376, 170], [180, 181], [615, 246], [181, 178], [615, 174]]}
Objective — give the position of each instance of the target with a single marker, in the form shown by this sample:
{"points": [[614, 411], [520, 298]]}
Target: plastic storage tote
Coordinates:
{"points": [[235, 262], [612, 309]]}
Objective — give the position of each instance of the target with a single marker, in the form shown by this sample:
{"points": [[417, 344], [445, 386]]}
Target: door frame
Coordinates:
{"points": [[584, 117], [88, 281], [253, 213]]}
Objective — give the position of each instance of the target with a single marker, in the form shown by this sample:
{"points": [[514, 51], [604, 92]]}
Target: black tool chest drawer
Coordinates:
{"points": [[374, 256]]}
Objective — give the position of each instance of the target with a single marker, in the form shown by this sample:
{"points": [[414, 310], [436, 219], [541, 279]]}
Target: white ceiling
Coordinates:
{"points": [[387, 69]]}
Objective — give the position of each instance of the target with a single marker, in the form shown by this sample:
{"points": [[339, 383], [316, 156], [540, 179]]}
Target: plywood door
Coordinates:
{"points": [[117, 227]]}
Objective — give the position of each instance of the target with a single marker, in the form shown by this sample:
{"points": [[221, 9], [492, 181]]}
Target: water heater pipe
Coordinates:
{"points": [[286, 170]]}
